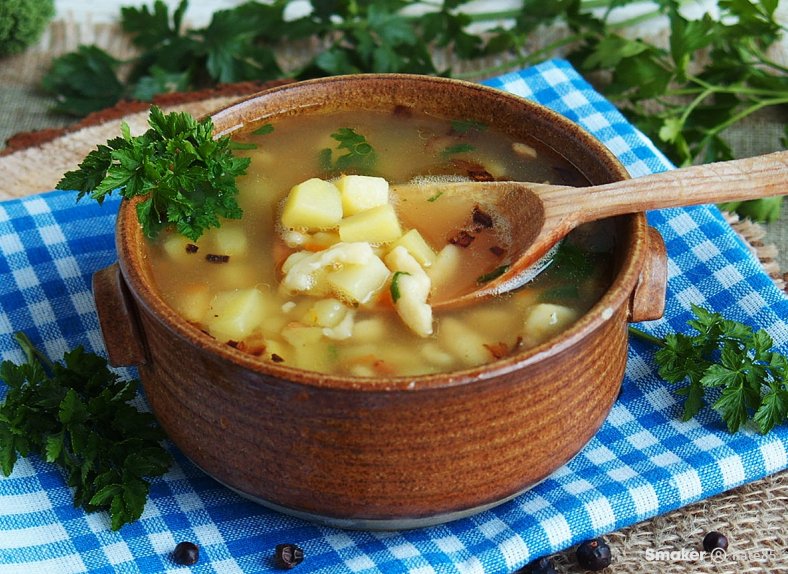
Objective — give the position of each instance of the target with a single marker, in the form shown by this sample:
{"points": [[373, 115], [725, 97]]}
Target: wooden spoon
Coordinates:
{"points": [[540, 215]]}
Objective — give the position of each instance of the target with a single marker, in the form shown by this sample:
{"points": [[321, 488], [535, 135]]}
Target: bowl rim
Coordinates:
{"points": [[131, 260]]}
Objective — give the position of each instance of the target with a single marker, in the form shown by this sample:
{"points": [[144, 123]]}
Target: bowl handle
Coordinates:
{"points": [[648, 298], [118, 320]]}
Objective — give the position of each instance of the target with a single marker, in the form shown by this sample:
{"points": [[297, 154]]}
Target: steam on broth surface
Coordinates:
{"points": [[234, 283]]}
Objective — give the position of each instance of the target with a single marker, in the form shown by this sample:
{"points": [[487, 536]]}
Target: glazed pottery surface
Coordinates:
{"points": [[387, 452]]}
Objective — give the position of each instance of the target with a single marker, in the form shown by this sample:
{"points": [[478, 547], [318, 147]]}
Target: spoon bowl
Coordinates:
{"points": [[534, 216]]}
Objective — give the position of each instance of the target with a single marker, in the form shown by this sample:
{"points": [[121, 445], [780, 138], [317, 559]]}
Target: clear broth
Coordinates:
{"points": [[195, 278]]}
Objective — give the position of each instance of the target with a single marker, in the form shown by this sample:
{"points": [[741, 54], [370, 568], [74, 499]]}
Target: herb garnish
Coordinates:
{"points": [[186, 177], [458, 148], [359, 156], [394, 287], [494, 274], [561, 293], [729, 356], [435, 197], [77, 414], [572, 262], [264, 130]]}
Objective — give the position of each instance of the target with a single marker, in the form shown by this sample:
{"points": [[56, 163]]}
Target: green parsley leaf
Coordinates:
{"points": [[714, 72], [458, 148], [186, 177], [263, 130], [494, 274], [435, 197], [394, 287], [572, 262], [77, 415], [160, 81], [84, 81], [359, 155], [729, 358]]}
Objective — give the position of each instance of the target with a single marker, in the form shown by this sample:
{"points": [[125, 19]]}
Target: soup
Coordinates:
{"points": [[334, 265]]}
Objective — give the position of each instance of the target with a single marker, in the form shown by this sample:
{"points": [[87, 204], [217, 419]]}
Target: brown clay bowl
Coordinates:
{"points": [[387, 453]]}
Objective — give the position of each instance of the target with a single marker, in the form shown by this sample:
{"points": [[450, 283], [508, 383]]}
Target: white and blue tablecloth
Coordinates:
{"points": [[644, 461]]}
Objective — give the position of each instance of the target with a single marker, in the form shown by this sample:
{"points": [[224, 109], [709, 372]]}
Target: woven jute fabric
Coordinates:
{"points": [[754, 517]]}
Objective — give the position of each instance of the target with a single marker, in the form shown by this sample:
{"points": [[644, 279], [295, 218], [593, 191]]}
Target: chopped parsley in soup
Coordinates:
{"points": [[331, 270]]}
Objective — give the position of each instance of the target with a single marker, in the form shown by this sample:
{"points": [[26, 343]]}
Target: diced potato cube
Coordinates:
{"points": [[362, 192], [229, 240], [233, 315], [547, 319], [312, 204], [358, 283], [463, 342], [418, 247], [277, 351], [377, 225], [193, 301], [446, 268]]}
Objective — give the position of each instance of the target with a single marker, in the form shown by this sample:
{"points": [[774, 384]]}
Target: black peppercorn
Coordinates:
{"points": [[288, 555], [186, 553], [594, 554], [715, 540]]}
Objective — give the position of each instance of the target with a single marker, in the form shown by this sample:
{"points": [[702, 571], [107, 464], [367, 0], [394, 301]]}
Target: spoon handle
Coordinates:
{"points": [[748, 178]]}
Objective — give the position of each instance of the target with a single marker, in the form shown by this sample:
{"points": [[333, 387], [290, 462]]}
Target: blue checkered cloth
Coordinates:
{"points": [[644, 461]]}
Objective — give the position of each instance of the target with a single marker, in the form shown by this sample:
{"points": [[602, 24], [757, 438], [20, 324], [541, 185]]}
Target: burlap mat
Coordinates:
{"points": [[753, 516]]}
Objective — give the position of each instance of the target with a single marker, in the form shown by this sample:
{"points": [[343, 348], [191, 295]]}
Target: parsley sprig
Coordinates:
{"points": [[713, 73], [353, 152], [186, 177], [731, 358], [77, 414]]}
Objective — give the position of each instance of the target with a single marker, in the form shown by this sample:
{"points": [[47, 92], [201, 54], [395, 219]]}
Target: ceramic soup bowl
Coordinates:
{"points": [[396, 452]]}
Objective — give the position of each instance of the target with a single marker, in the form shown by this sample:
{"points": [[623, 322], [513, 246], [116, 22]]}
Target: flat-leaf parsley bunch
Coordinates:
{"points": [[186, 177], [78, 415], [732, 358]]}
